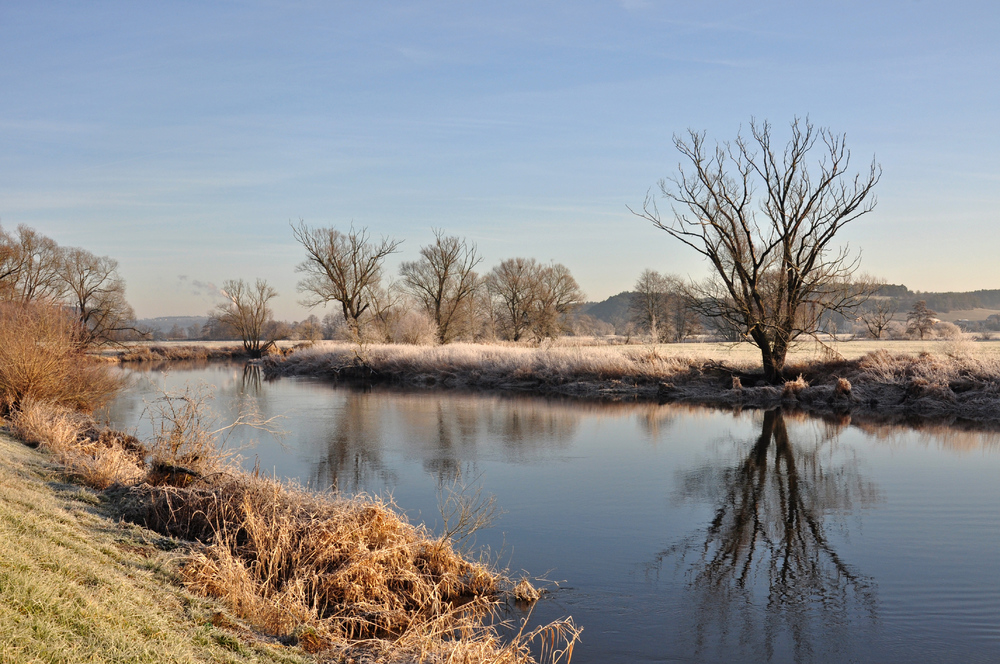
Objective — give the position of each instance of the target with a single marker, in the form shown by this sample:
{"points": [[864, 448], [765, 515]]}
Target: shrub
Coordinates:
{"points": [[41, 359]]}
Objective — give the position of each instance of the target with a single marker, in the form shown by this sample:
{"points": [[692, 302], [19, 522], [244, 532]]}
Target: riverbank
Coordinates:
{"points": [[954, 384], [77, 585], [297, 576]]}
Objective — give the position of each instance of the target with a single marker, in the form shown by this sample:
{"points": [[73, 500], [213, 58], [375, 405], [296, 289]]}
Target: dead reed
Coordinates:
{"points": [[177, 352], [98, 459]]}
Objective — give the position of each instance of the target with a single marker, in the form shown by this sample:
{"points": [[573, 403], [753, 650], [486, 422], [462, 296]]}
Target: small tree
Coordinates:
{"points": [[877, 315], [512, 284], [342, 268], [648, 305], [920, 319], [33, 264], [556, 296], [248, 313], [531, 298], [443, 280]]}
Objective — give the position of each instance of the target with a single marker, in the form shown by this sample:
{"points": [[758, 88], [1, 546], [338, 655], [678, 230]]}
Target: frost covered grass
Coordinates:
{"points": [[954, 379]]}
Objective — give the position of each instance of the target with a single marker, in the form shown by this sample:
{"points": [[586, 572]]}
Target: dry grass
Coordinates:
{"points": [[97, 459], [348, 573], [41, 359]]}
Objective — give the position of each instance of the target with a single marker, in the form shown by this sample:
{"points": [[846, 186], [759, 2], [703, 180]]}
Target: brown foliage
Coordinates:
{"points": [[40, 359]]}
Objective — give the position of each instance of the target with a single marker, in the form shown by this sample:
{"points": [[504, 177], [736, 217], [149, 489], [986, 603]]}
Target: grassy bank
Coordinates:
{"points": [[78, 586], [294, 573], [950, 382]]}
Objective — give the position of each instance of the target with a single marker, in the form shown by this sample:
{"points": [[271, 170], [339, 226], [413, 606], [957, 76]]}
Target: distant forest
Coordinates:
{"points": [[943, 302], [615, 308]]}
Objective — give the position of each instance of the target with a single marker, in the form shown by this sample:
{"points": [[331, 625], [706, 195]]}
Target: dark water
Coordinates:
{"points": [[674, 534]]}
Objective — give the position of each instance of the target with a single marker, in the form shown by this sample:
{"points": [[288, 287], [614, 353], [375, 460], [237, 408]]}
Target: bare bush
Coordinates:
{"points": [[945, 330], [416, 328], [187, 437], [41, 359]]}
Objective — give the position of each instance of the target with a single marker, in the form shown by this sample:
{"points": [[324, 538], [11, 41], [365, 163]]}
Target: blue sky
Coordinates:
{"points": [[182, 137]]}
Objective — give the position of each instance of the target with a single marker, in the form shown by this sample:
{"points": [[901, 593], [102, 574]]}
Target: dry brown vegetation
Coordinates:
{"points": [[339, 576], [177, 352], [41, 359]]}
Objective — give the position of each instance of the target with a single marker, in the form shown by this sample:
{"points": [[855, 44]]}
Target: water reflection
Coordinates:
{"points": [[765, 570], [253, 378], [444, 430], [352, 455]]}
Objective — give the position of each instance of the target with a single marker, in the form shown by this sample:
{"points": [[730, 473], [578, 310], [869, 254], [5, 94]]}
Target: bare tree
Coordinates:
{"points": [[920, 319], [877, 315], [30, 267], [512, 284], [532, 298], [443, 280], [648, 305], [342, 268], [776, 270], [248, 312], [556, 295], [96, 292]]}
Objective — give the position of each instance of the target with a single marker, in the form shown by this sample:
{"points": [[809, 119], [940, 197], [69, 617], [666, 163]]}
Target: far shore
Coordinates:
{"points": [[956, 381]]}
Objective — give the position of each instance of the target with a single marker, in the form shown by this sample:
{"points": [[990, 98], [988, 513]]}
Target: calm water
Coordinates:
{"points": [[669, 533]]}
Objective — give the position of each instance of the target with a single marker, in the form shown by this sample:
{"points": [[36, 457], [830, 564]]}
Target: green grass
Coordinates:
{"points": [[76, 586]]}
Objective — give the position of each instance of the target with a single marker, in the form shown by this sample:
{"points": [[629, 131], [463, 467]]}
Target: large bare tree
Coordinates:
{"points": [[248, 313], [96, 292], [342, 268], [444, 281], [766, 220]]}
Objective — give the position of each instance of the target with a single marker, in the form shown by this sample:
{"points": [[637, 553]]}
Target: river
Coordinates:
{"points": [[669, 533]]}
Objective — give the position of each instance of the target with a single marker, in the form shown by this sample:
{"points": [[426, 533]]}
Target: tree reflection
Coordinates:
{"points": [[253, 378], [353, 456], [765, 565]]}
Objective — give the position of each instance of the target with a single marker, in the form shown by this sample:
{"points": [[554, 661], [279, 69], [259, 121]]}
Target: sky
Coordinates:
{"points": [[183, 138]]}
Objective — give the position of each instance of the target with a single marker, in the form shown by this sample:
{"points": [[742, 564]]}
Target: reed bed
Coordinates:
{"points": [[177, 352], [333, 571]]}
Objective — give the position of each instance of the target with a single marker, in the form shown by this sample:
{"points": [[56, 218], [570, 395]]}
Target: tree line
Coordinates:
{"points": [[439, 297], [87, 289]]}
